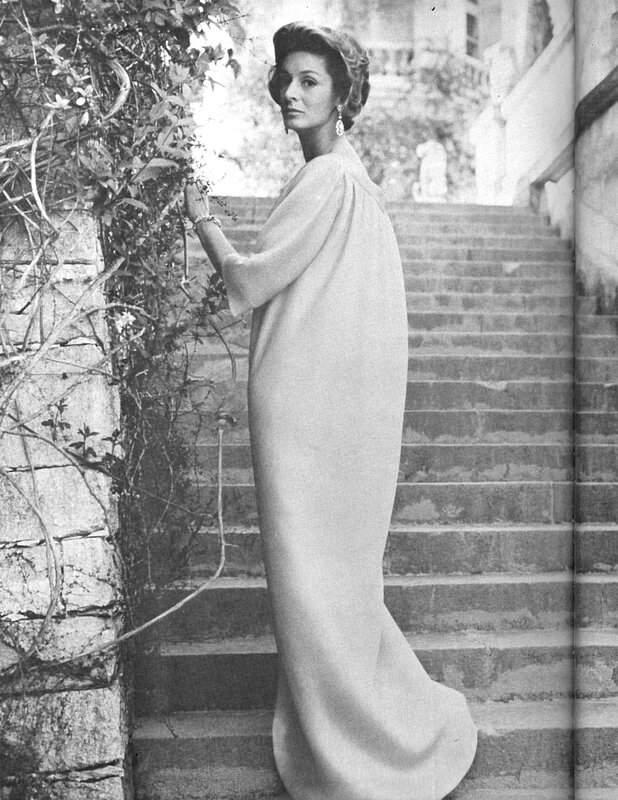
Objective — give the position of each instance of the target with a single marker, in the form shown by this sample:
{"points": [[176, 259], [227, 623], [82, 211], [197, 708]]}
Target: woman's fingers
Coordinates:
{"points": [[196, 204]]}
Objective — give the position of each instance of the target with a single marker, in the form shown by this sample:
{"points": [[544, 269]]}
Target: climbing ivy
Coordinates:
{"points": [[96, 101]]}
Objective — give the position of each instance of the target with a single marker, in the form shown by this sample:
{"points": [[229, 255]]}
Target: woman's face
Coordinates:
{"points": [[306, 92]]}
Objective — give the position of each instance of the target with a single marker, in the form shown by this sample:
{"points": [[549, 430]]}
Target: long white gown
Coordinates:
{"points": [[357, 717]]}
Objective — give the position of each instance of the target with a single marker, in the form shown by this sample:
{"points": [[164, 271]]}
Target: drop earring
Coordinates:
{"points": [[339, 128]]}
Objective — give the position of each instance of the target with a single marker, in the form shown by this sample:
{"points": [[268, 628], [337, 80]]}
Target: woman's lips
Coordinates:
{"points": [[291, 111]]}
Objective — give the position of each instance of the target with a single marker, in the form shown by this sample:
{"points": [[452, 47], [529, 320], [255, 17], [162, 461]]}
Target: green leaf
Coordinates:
{"points": [[154, 168]]}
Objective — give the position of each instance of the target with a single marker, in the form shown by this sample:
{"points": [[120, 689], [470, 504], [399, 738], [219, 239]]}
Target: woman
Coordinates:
{"points": [[357, 717]]}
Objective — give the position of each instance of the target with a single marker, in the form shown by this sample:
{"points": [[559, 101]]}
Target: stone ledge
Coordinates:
{"points": [[67, 730], [49, 306], [63, 639], [68, 506], [95, 784], [89, 400], [77, 242], [596, 102], [90, 578]]}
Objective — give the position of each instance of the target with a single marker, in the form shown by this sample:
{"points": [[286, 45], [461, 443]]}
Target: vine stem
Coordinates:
{"points": [[190, 597], [54, 570], [33, 183]]}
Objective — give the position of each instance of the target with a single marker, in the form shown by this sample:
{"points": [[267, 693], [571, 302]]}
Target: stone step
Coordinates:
{"points": [[470, 503], [585, 305], [428, 550], [603, 324], [514, 270], [597, 548], [213, 365], [496, 254], [263, 204], [420, 236], [596, 501], [596, 600], [481, 331], [596, 370], [447, 462], [432, 225], [519, 743], [495, 303], [596, 346], [596, 655], [241, 783], [478, 366], [417, 282], [469, 226], [505, 342], [443, 550], [600, 426], [447, 338], [488, 425], [490, 322], [500, 367], [234, 607], [477, 426], [443, 248], [481, 397], [597, 397], [241, 674], [597, 462]]}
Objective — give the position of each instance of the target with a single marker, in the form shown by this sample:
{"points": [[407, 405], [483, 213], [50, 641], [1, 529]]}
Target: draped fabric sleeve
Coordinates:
{"points": [[291, 238]]}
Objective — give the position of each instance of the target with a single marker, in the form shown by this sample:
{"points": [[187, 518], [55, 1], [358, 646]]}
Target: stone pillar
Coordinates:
{"points": [[63, 730]]}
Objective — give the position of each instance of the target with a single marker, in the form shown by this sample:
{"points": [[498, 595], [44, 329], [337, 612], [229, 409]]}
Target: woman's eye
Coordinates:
{"points": [[308, 82]]}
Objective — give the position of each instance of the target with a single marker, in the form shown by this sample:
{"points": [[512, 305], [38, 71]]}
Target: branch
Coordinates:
{"points": [[173, 609], [17, 145], [35, 191], [125, 88]]}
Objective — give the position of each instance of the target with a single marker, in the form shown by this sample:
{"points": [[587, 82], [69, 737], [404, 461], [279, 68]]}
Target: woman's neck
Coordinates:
{"points": [[318, 142]]}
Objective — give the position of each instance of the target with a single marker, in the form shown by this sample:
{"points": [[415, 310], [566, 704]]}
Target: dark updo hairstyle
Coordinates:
{"points": [[348, 63]]}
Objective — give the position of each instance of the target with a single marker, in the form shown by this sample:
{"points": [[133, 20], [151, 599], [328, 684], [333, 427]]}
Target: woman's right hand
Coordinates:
{"points": [[196, 203]]}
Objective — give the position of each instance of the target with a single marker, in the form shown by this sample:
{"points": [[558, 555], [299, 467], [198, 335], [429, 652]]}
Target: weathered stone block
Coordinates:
{"points": [[89, 577], [91, 785], [69, 503], [63, 639], [32, 312], [96, 784], [79, 358], [93, 402], [91, 574], [67, 730], [77, 242]]}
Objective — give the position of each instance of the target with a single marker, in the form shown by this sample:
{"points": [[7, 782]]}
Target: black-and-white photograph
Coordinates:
{"points": [[308, 400]]}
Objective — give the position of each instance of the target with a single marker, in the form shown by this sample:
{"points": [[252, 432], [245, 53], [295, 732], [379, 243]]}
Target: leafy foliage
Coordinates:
{"points": [[440, 102], [96, 101], [106, 88]]}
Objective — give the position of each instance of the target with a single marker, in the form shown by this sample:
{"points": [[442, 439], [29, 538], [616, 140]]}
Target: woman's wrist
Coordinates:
{"points": [[206, 218]]}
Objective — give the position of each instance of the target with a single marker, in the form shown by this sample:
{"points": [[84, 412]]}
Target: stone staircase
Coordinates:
{"points": [[479, 557]]}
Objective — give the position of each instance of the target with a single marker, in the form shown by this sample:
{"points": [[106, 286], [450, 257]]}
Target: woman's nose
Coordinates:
{"points": [[290, 92]]}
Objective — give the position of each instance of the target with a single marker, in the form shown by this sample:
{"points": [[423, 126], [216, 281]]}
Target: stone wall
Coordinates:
{"points": [[596, 23], [596, 203], [63, 725], [596, 153], [524, 138]]}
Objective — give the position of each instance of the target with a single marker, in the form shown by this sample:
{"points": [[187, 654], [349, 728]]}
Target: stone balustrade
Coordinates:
{"points": [[399, 60]]}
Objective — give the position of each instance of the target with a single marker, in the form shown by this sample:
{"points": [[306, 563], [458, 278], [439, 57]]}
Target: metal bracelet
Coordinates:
{"points": [[206, 218]]}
